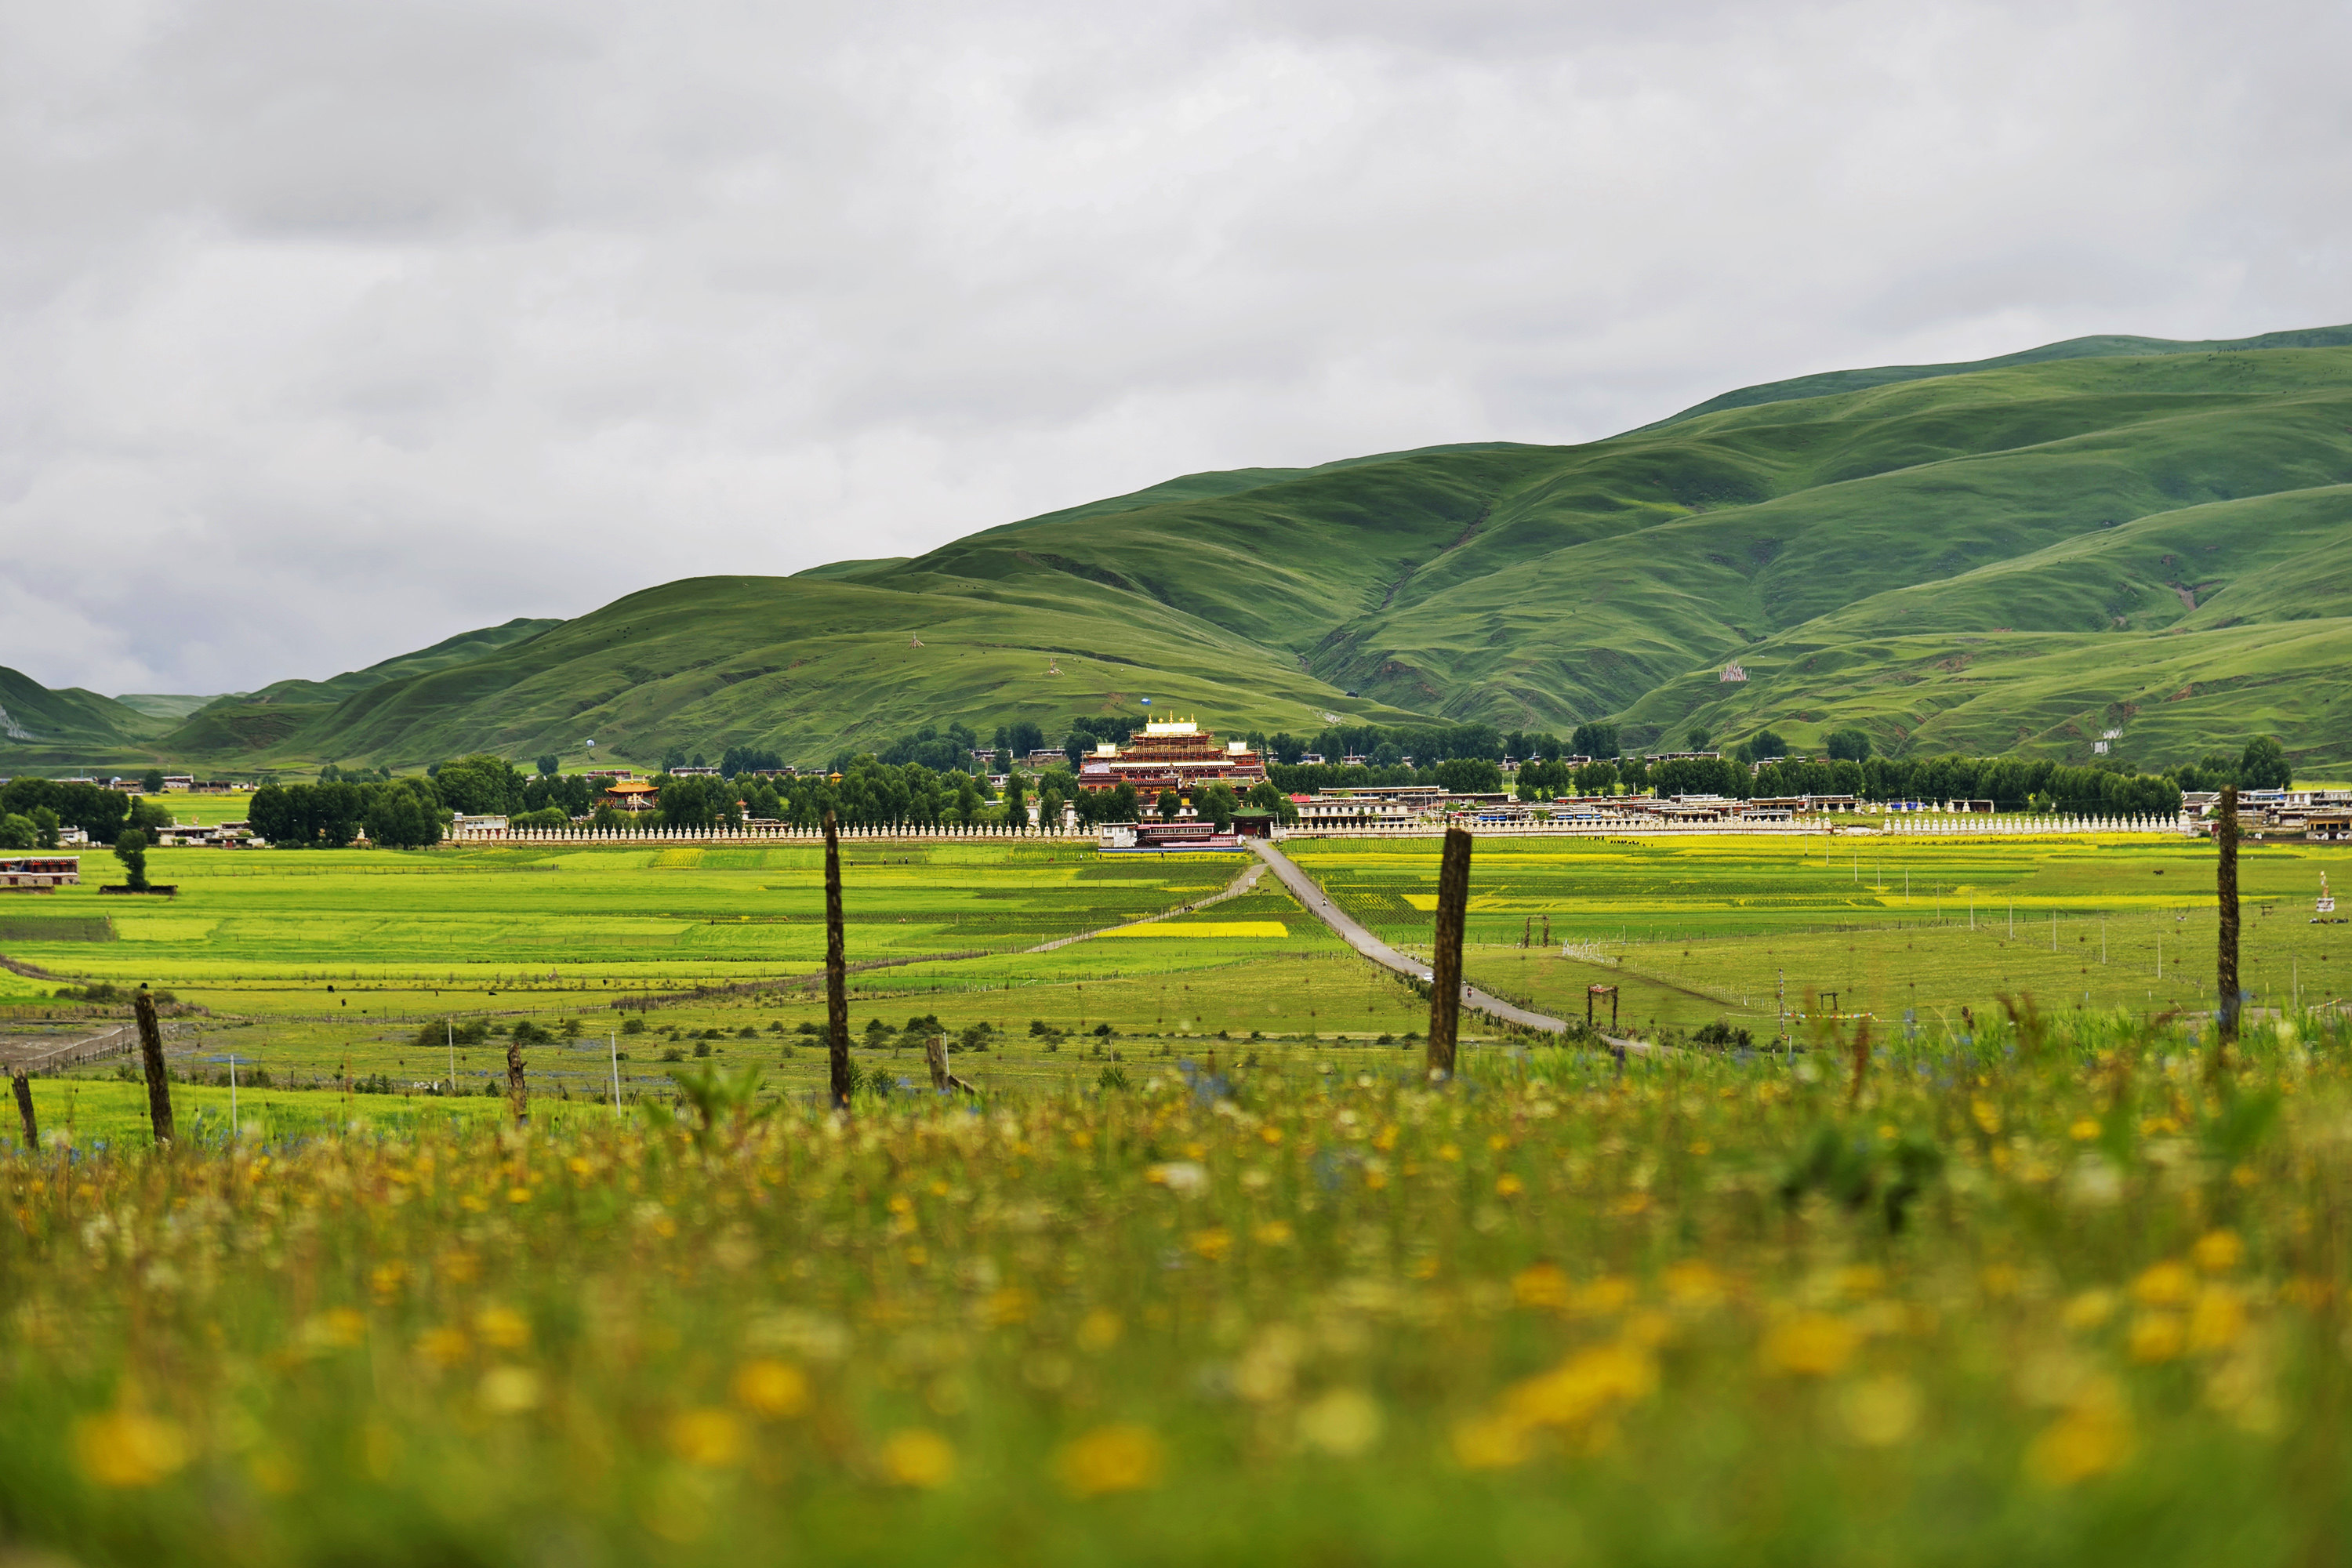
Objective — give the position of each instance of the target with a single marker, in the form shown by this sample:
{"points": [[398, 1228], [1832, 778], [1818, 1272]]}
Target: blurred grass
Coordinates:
{"points": [[2041, 1296]]}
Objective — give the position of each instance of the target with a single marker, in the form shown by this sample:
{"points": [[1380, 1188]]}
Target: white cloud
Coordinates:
{"points": [[325, 331]]}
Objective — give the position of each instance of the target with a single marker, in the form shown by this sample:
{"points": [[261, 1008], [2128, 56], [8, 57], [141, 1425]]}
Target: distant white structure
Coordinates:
{"points": [[1733, 672]]}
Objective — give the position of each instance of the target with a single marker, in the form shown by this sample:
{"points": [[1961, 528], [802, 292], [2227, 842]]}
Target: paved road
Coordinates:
{"points": [[1312, 894]]}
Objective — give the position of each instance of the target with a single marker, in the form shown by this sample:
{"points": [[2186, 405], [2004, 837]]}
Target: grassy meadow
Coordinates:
{"points": [[327, 967], [1231, 1282], [2043, 1296]]}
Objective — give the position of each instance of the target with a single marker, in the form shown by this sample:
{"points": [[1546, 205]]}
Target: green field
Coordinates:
{"points": [[324, 966], [2016, 555], [1229, 1281], [1698, 930]]}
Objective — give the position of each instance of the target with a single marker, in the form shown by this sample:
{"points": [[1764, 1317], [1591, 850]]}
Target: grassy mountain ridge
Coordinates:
{"points": [[1825, 383], [2017, 553], [34, 718]]}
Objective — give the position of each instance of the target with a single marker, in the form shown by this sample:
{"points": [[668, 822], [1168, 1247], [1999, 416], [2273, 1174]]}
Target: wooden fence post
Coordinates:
{"points": [[2225, 840], [836, 967], [1446, 966], [151, 1057], [518, 1089], [25, 1111]]}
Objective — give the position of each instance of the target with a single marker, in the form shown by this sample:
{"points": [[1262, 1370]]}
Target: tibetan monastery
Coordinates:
{"points": [[1178, 755]]}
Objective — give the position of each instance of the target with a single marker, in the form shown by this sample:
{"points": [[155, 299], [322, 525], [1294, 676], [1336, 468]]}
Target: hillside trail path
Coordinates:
{"points": [[1346, 927]]}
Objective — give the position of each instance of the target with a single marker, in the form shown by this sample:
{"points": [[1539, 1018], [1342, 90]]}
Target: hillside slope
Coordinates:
{"points": [[34, 719], [2026, 553]]}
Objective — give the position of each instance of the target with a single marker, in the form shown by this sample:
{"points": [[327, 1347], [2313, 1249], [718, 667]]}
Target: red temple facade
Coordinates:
{"points": [[1177, 755]]}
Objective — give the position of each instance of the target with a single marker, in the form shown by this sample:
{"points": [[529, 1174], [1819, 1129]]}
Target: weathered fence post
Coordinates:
{"points": [[24, 1110], [151, 1057], [2225, 978], [518, 1089], [1446, 966], [836, 967]]}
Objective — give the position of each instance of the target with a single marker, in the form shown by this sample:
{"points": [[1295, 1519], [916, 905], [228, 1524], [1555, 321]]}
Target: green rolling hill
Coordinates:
{"points": [[2106, 535]]}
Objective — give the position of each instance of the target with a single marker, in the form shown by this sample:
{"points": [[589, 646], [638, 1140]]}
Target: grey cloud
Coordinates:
{"points": [[325, 331]]}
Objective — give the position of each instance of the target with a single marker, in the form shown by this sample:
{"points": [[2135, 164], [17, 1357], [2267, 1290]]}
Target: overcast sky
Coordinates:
{"points": [[330, 330]]}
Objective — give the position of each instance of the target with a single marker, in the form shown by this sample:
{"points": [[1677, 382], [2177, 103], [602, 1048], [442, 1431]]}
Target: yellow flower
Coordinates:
{"points": [[503, 1327], [1345, 1422], [2167, 1284], [1544, 1285], [1117, 1458], [2218, 1251], [1098, 1330], [917, 1456], [2157, 1336], [510, 1390], [1880, 1412], [1693, 1286], [1212, 1243], [518, 1195], [1274, 1233], [2089, 1440], [127, 1449], [710, 1437], [2217, 1320], [338, 1328], [1862, 1281], [1812, 1344], [1585, 1385], [1508, 1186], [443, 1347], [1009, 1305], [2090, 1309], [2082, 1131], [772, 1388], [1492, 1443], [1987, 1115]]}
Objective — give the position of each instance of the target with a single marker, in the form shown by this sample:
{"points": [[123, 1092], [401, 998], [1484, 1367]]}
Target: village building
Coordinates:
{"points": [[40, 870], [1175, 755]]}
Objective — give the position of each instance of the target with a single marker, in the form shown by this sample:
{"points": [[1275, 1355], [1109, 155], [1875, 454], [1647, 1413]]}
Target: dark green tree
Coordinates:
{"points": [[1470, 775], [550, 765], [481, 785], [1594, 740], [1020, 738], [1698, 735], [1168, 806], [1017, 803], [130, 848], [1765, 743], [17, 832], [2264, 765], [1849, 745], [152, 781], [46, 827]]}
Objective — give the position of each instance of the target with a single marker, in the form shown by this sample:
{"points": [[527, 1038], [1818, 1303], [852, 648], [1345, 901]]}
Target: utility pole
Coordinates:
{"points": [[836, 967], [1446, 963], [614, 1038], [24, 1086]]}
